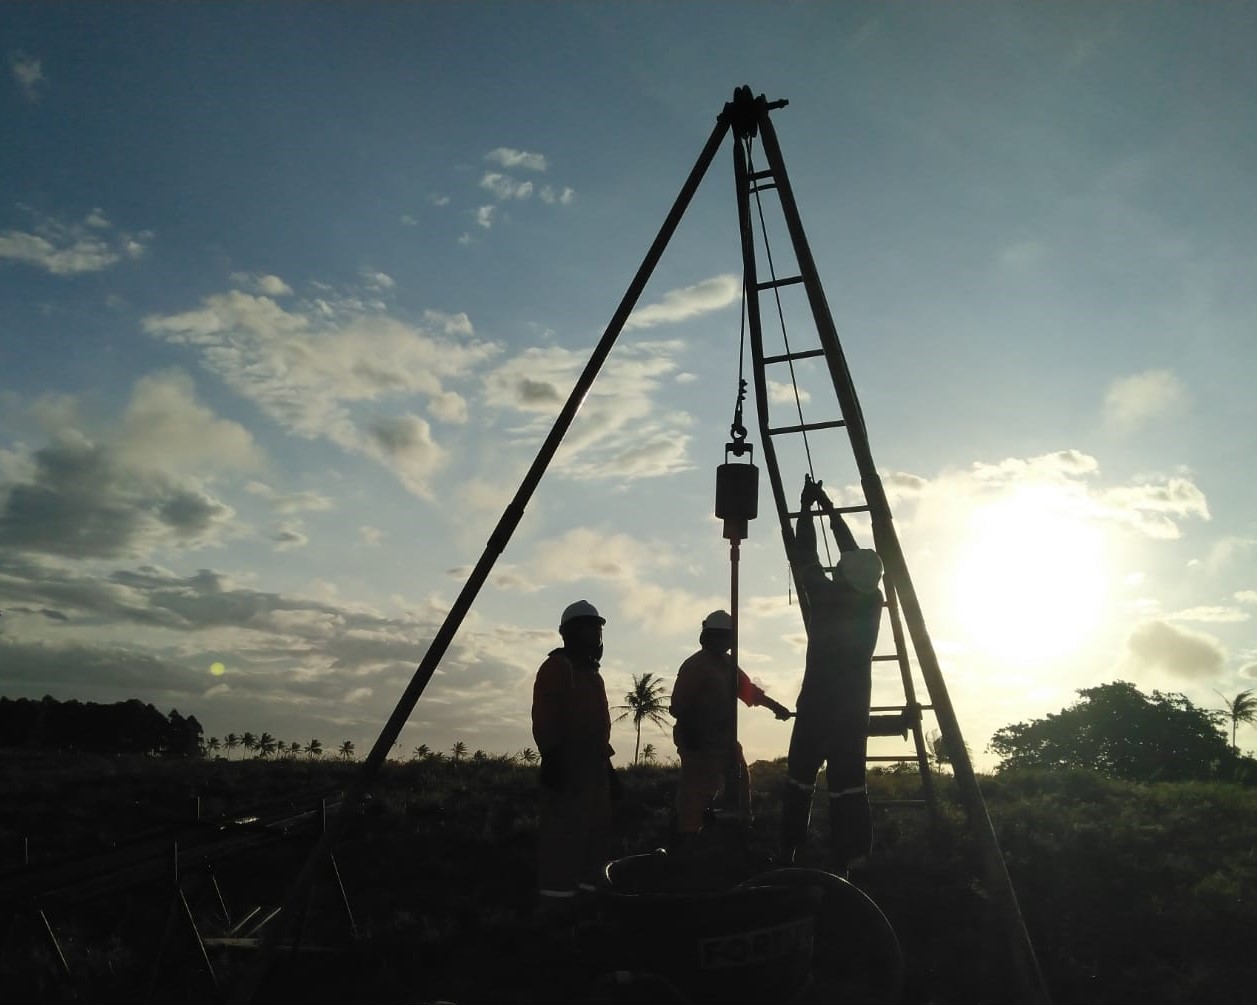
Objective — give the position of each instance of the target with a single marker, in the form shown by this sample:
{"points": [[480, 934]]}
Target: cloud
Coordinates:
{"points": [[780, 393], [621, 430], [632, 568], [710, 295], [1179, 652], [267, 285], [564, 196], [313, 367], [28, 73], [1154, 508], [370, 536], [1226, 551], [1246, 596], [1133, 402], [505, 187], [508, 158], [84, 501], [164, 426], [62, 249], [292, 502], [484, 216], [378, 281], [1211, 614], [404, 443], [289, 535]]}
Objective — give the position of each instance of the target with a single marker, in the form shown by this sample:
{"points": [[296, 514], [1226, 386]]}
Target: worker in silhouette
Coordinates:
{"points": [[705, 731], [571, 725], [832, 717]]}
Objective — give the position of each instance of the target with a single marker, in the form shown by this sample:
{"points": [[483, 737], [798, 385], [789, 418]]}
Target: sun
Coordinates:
{"points": [[1032, 578]]}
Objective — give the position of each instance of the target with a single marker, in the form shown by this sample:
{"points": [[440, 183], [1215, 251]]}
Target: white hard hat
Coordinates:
{"points": [[719, 620], [580, 609], [861, 568]]}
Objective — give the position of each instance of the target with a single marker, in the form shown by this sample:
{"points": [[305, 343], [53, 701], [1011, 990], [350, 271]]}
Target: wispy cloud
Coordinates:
{"points": [[316, 367], [62, 249], [292, 502], [622, 431], [289, 535], [1217, 615], [28, 73], [509, 158], [505, 187], [1133, 402], [688, 302]]}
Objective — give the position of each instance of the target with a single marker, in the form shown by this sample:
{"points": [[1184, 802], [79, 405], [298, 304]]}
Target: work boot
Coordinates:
{"points": [[850, 828], [796, 814]]}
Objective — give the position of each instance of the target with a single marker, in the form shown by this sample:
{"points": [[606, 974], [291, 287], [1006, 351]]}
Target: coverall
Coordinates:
{"points": [[704, 733], [571, 725], [832, 715]]}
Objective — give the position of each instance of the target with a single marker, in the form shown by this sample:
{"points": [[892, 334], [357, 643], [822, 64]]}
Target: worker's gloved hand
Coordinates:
{"points": [[613, 783], [551, 774], [782, 713]]}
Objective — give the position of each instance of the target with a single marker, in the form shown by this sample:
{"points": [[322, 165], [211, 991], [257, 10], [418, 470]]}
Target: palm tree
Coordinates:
{"points": [[294, 748], [212, 745], [647, 700], [266, 745], [528, 755], [346, 751], [422, 752], [314, 749], [459, 750], [230, 742], [1241, 708], [249, 742], [649, 754]]}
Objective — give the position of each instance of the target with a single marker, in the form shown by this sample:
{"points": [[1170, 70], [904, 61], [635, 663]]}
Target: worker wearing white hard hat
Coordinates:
{"points": [[702, 702], [832, 719], [571, 725]]}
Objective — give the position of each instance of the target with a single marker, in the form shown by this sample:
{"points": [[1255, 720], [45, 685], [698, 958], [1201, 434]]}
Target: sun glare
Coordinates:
{"points": [[1032, 578]]}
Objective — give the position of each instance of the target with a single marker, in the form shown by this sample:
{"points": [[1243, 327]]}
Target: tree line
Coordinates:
{"points": [[125, 727]]}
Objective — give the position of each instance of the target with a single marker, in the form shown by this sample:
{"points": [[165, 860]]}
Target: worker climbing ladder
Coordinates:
{"points": [[747, 117]]}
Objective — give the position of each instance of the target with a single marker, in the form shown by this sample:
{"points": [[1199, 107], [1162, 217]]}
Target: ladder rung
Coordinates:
{"points": [[790, 356], [887, 659], [893, 757], [775, 284], [898, 708], [764, 188], [757, 175], [837, 509], [807, 427]]}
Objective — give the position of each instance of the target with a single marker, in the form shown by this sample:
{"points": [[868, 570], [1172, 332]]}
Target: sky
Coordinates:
{"points": [[291, 294]]}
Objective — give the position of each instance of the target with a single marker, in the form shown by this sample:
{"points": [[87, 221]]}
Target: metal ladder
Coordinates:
{"points": [[748, 118], [905, 716]]}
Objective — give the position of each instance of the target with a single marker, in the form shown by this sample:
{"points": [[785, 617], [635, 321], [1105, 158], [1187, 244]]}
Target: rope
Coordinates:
{"points": [[781, 318]]}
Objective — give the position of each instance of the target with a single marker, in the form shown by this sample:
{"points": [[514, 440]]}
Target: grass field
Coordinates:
{"points": [[1132, 893]]}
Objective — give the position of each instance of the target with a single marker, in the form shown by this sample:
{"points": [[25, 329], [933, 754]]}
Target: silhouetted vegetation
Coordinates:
{"points": [[1132, 892], [125, 727], [1120, 732]]}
